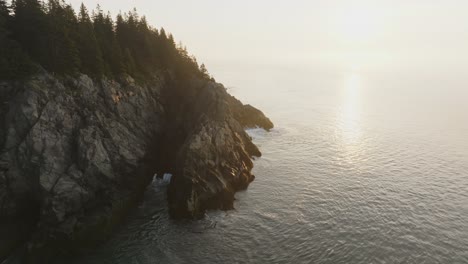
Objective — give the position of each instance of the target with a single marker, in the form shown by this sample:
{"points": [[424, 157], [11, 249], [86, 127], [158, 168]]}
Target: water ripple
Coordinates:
{"points": [[396, 192]]}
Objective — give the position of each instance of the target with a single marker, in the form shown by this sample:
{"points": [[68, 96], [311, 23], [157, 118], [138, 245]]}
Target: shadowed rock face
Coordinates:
{"points": [[76, 154], [214, 159]]}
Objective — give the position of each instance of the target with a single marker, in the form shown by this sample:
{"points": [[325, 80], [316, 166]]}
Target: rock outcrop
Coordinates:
{"points": [[76, 154], [214, 157]]}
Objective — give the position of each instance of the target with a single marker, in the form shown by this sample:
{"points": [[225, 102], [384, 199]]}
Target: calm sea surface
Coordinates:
{"points": [[361, 168]]}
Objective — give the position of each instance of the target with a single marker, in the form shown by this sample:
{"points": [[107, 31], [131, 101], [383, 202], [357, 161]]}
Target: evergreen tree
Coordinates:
{"points": [[63, 43], [145, 55], [14, 63], [104, 31], [203, 70], [125, 34], [90, 53], [62, 51], [28, 27], [165, 51], [129, 63], [116, 62], [120, 29]]}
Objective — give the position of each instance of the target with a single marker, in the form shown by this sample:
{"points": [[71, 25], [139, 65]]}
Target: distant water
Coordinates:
{"points": [[361, 168]]}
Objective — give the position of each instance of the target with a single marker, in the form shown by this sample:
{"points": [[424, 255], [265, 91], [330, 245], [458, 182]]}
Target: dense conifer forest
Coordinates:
{"points": [[51, 35]]}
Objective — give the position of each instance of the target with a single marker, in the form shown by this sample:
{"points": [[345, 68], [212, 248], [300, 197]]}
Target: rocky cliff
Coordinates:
{"points": [[76, 154]]}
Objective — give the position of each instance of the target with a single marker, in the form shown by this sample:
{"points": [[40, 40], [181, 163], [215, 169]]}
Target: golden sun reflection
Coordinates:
{"points": [[349, 117]]}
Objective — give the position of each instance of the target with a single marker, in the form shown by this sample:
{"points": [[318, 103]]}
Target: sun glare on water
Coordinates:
{"points": [[349, 116], [349, 133]]}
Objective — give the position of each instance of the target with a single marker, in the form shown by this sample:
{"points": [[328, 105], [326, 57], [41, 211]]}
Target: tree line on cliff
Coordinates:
{"points": [[52, 35]]}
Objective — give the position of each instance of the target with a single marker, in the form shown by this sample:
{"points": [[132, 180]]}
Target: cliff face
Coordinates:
{"points": [[76, 154], [213, 159]]}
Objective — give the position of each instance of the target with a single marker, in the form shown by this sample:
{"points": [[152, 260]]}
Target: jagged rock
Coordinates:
{"points": [[75, 154], [214, 161], [249, 116]]}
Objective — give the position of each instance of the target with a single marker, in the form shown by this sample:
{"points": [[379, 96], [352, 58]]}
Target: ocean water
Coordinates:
{"points": [[362, 167]]}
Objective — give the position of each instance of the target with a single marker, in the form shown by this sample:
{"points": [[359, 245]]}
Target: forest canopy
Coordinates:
{"points": [[52, 35]]}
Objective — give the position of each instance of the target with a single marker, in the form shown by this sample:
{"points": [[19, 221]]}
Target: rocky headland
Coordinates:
{"points": [[76, 154]]}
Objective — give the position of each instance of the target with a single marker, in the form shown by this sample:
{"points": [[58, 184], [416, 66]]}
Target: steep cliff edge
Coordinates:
{"points": [[76, 154], [213, 160]]}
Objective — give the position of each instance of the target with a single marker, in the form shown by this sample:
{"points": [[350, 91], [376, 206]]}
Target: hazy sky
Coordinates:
{"points": [[348, 34]]}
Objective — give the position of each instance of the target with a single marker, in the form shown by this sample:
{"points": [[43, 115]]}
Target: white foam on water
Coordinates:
{"points": [[165, 180], [256, 133]]}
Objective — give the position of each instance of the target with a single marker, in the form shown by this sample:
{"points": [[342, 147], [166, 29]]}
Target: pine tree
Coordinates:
{"points": [[125, 32], [14, 63], [62, 52], [63, 43], [165, 51], [28, 27], [90, 53], [203, 70], [116, 61], [129, 63], [104, 31]]}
